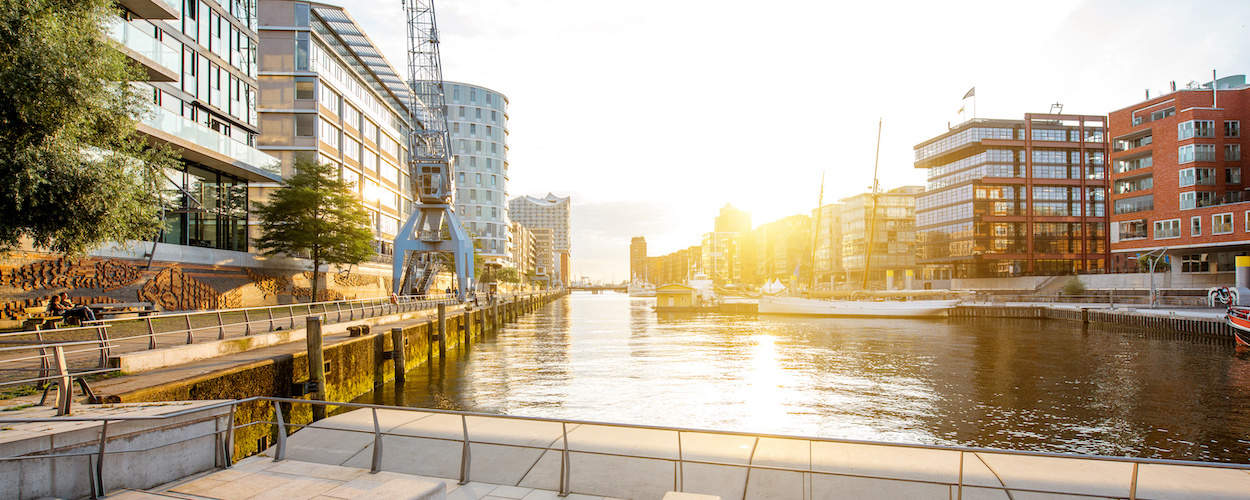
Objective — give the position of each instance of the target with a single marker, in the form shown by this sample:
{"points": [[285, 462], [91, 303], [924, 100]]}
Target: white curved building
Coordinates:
{"points": [[478, 118]]}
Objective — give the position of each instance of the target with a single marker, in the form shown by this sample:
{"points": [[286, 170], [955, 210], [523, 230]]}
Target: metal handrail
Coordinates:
{"points": [[563, 447]]}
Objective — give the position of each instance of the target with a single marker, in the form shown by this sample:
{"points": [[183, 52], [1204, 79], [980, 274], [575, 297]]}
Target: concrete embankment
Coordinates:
{"points": [[354, 366], [1183, 322]]}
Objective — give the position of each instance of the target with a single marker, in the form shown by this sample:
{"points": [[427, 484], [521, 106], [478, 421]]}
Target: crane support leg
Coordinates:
{"points": [[422, 233]]}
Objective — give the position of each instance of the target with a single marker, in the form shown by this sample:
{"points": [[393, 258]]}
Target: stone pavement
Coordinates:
{"points": [[630, 462], [260, 477]]}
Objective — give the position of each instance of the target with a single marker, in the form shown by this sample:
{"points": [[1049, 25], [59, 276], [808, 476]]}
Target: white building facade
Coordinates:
{"points": [[478, 118], [551, 212]]}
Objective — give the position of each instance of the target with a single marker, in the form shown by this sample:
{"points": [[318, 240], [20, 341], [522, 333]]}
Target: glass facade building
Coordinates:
{"points": [[199, 59], [478, 118], [327, 94], [1014, 197]]}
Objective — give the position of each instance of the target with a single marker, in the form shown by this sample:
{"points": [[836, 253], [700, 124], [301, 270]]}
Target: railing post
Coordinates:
{"points": [[221, 327], [102, 334], [279, 453], [464, 452], [960, 489], [269, 311], [564, 460], [64, 397], [290, 310], [247, 323], [99, 461], [190, 337], [338, 310], [376, 464], [151, 334], [1132, 488], [228, 443]]}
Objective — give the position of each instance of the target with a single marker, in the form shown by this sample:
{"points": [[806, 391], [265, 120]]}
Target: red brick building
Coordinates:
{"points": [[1014, 197], [1177, 178]]}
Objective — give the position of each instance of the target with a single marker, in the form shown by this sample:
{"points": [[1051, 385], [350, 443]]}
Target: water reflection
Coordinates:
{"points": [[1024, 384]]}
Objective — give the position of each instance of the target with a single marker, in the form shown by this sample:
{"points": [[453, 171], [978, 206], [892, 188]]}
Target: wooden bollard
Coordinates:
{"points": [[464, 328], [316, 365], [1085, 315], [398, 354], [442, 331]]}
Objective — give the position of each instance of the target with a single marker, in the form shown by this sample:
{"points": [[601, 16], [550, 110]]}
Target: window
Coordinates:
{"points": [[329, 134], [330, 99], [1222, 223], [472, 129], [1232, 152], [305, 124], [1165, 229], [351, 177], [1246, 225], [1135, 204], [1195, 226], [1195, 128], [1195, 152], [1195, 263], [351, 149], [304, 87], [1198, 176], [1232, 128], [301, 14], [351, 116], [478, 179], [1136, 229], [302, 60], [1232, 175]]}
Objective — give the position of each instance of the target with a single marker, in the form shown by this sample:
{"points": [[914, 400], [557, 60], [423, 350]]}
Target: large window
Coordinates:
{"points": [[1195, 226], [1232, 152], [1232, 128], [1232, 175], [1134, 184], [1195, 128], [305, 87], [1135, 204], [1195, 152], [1135, 229], [1165, 229], [204, 208], [1197, 176], [1197, 199], [1222, 223]]}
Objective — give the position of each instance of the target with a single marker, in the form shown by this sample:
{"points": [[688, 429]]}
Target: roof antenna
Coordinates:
{"points": [[1056, 108]]}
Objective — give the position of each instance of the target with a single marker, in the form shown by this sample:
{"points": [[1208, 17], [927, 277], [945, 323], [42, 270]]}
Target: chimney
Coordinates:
{"points": [[1173, 85]]}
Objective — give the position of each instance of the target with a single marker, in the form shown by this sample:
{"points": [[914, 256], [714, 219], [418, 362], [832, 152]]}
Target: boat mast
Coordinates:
{"points": [[811, 265], [872, 224]]}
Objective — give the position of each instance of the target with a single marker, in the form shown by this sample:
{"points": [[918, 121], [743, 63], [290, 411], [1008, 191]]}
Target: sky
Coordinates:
{"points": [[652, 114]]}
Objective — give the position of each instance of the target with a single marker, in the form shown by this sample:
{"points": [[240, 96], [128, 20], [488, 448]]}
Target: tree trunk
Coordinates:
{"points": [[316, 266]]}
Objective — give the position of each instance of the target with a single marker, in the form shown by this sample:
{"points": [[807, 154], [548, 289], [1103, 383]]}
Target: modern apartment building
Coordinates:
{"points": [[544, 252], [638, 258], [893, 241], [1014, 197], [551, 212], [732, 220], [200, 63], [827, 238], [1177, 178], [779, 250], [327, 94], [521, 249], [478, 118]]}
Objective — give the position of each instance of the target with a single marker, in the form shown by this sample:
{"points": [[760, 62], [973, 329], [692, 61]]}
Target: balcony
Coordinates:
{"points": [[153, 9], [161, 63], [201, 144]]}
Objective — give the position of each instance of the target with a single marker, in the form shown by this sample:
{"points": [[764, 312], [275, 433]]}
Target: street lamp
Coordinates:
{"points": [[1162, 251]]}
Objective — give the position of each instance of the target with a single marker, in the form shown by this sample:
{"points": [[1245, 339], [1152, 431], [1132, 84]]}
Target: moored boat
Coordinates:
{"points": [[1238, 317], [855, 308]]}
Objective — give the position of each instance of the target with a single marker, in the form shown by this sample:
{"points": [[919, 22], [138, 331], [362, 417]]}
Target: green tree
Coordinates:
{"points": [[1074, 286], [75, 173], [508, 275], [315, 214]]}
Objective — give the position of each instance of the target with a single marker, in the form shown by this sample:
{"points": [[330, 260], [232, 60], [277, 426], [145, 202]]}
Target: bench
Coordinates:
{"points": [[104, 311]]}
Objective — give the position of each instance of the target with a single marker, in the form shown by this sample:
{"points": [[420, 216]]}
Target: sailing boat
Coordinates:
{"points": [[777, 304]]}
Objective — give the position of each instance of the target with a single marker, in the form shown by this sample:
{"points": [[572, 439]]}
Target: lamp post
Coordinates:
{"points": [[1153, 262]]}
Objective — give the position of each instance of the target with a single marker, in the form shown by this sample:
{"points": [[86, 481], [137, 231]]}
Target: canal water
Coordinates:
{"points": [[1020, 384]]}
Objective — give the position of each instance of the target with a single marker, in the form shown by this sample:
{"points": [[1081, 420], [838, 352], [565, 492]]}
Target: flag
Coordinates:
{"points": [[971, 92]]}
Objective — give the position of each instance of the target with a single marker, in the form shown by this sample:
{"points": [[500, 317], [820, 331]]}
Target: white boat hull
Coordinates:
{"points": [[854, 308]]}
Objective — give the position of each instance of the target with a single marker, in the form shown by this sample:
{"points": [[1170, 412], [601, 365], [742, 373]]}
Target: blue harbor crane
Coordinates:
{"points": [[433, 231]]}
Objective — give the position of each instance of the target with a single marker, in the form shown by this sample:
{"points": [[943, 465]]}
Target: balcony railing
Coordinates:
{"points": [[173, 123], [146, 45]]}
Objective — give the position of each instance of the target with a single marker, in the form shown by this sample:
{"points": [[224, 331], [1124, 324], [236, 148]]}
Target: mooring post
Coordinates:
{"points": [[397, 354], [316, 366], [1085, 315], [442, 331]]}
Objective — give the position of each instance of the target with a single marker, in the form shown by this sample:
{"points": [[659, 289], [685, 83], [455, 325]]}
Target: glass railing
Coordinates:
{"points": [[145, 44], [168, 121]]}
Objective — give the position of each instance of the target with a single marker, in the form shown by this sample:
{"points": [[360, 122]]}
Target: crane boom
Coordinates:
{"points": [[433, 228]]}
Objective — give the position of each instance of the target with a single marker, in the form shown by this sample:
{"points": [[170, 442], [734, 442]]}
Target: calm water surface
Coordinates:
{"points": [[1020, 384]]}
